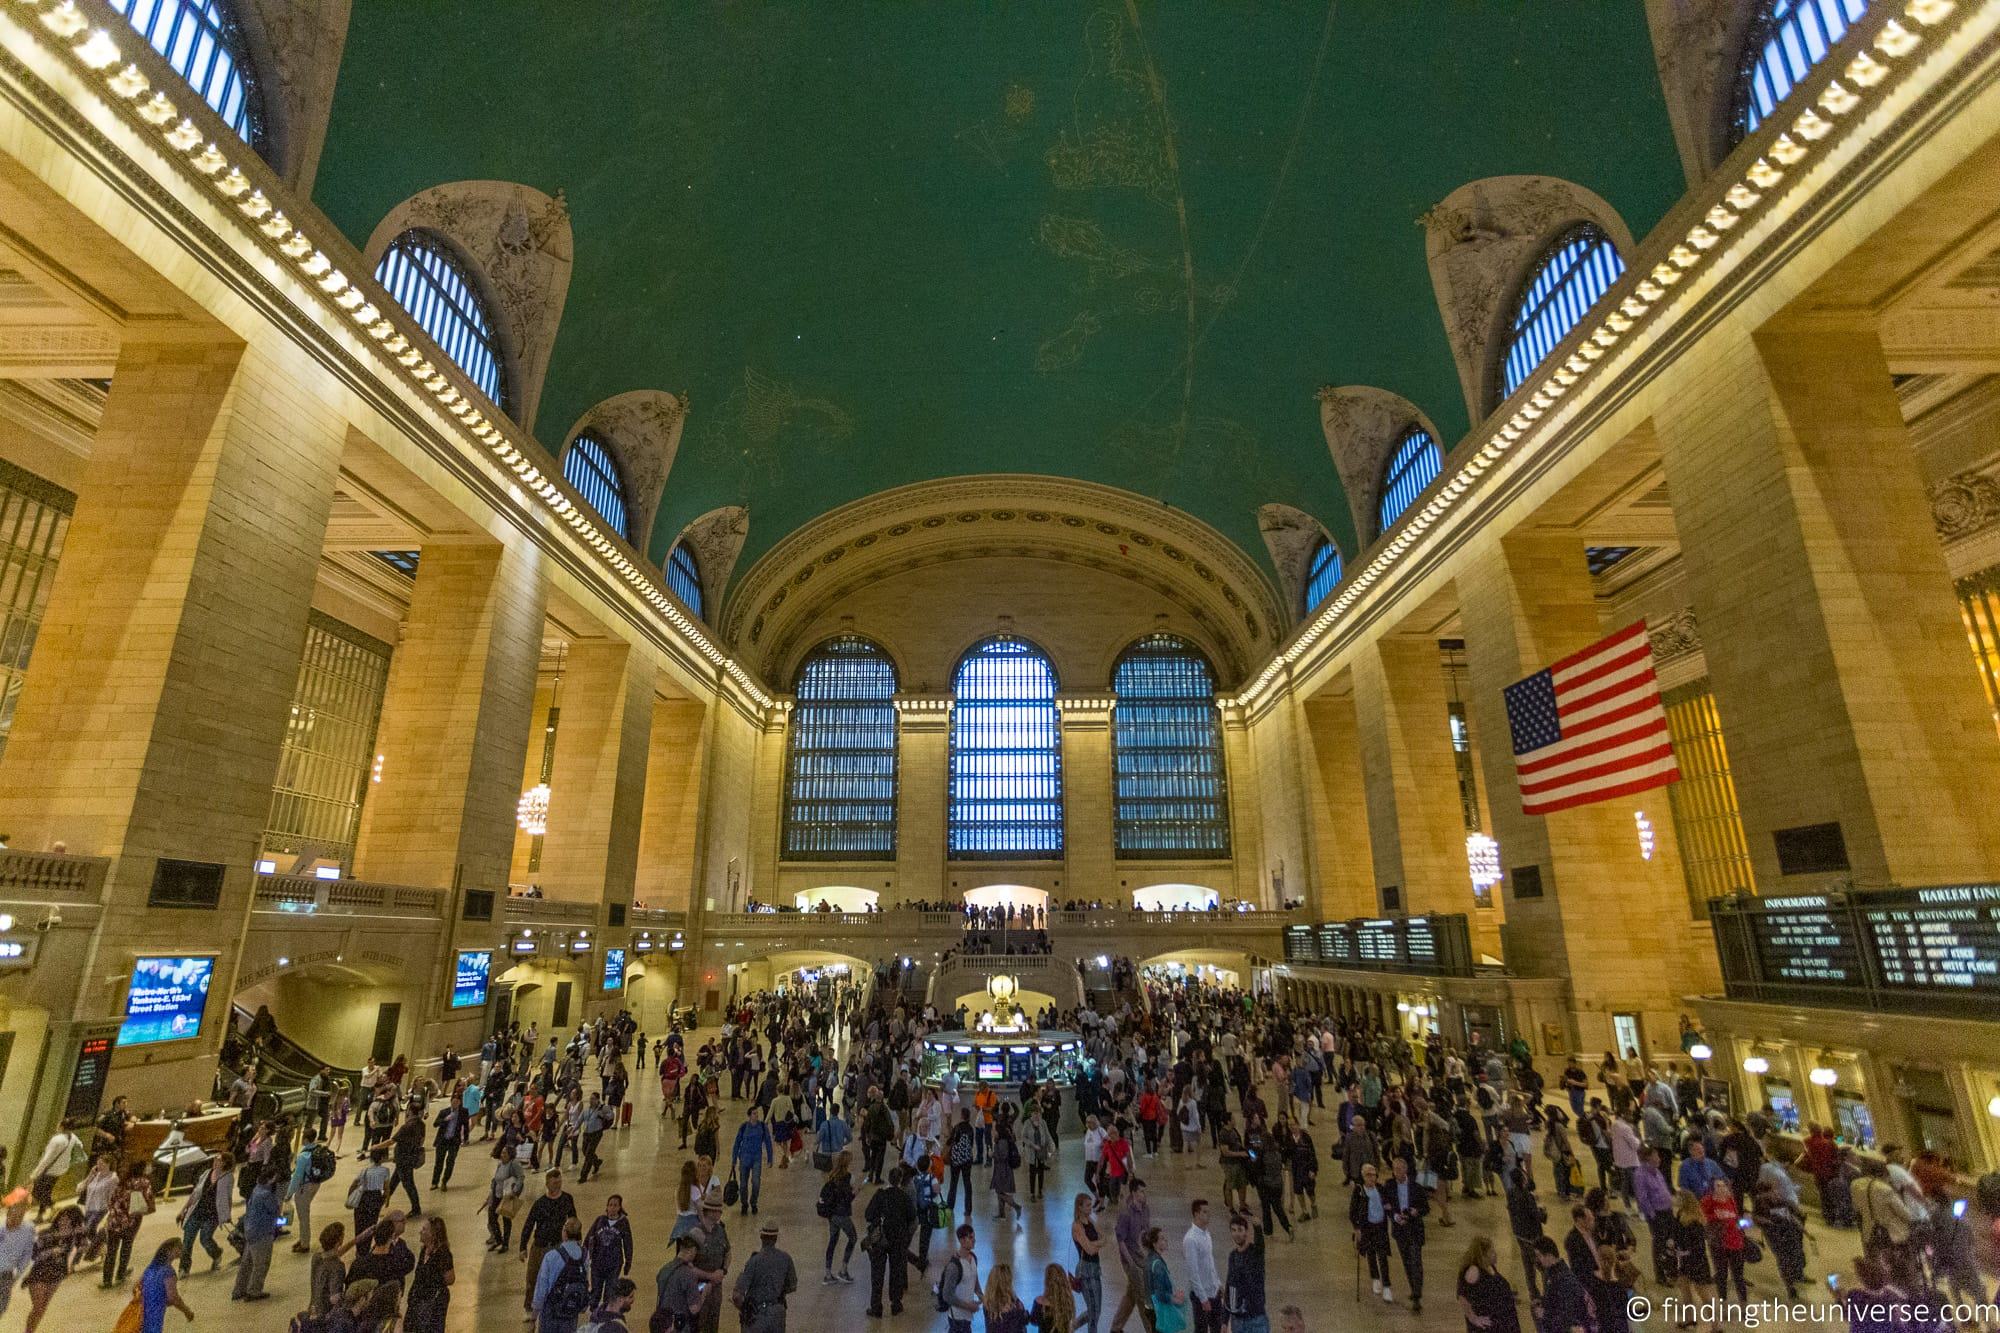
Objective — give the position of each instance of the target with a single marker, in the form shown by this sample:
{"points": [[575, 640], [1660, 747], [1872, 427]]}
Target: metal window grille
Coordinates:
{"points": [[840, 763], [1601, 558], [1006, 755], [34, 520], [588, 467], [1322, 574], [329, 749], [1715, 856], [403, 562], [420, 270], [203, 42], [1785, 41], [1414, 465], [1979, 603], [1166, 737], [1579, 268], [684, 577]]}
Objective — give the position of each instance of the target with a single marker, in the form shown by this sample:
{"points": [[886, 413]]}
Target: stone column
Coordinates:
{"points": [[155, 710], [598, 784], [455, 720], [1834, 642], [1615, 926], [1339, 804], [1416, 823], [923, 784], [665, 876], [767, 800], [1090, 863]]}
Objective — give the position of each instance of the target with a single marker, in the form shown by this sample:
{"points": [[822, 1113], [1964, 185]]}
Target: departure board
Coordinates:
{"points": [[1301, 945], [1420, 946], [1336, 942], [1941, 938], [1807, 941], [1375, 941], [1439, 946]]}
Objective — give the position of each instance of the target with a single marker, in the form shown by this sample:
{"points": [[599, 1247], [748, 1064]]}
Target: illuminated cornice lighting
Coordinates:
{"points": [[1743, 200], [222, 168]]}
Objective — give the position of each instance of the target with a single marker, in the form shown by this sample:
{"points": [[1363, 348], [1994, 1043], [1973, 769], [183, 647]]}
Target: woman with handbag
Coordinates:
{"points": [[206, 1209], [503, 1201], [131, 1202], [1169, 1310], [370, 1187], [157, 1291], [836, 1205]]}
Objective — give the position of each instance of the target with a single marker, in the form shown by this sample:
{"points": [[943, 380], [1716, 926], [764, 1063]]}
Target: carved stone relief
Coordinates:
{"points": [[1362, 424], [1698, 45], [1676, 636], [295, 46], [1481, 242], [1291, 535], [642, 430], [1965, 504], [717, 538], [519, 241]]}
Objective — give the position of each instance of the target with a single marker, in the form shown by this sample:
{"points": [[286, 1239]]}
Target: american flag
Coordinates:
{"points": [[1591, 728]]}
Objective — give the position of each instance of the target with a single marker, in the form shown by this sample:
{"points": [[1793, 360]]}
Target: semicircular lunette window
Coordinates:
{"points": [[684, 578], [426, 277], [1322, 574], [1166, 742], [203, 42], [1579, 268], [1786, 39], [1006, 755], [840, 766], [1415, 465], [588, 467]]}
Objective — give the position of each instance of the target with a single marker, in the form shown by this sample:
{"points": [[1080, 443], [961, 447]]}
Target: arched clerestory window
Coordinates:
{"points": [[684, 578], [204, 43], [840, 757], [1171, 796], [588, 466], [1006, 755], [427, 277], [1786, 39], [1322, 574], [1572, 274], [1413, 464]]}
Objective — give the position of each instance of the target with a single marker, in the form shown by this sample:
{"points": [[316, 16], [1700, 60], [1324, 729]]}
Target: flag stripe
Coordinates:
{"points": [[1591, 727]]}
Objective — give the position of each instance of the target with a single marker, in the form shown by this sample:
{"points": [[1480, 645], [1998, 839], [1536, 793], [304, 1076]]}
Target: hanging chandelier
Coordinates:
{"points": [[532, 814]]}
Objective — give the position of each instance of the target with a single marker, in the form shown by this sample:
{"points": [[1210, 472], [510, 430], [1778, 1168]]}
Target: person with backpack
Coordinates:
{"points": [[609, 1246], [207, 1208], [312, 1166], [1006, 1160], [550, 1218], [957, 1292], [63, 1153], [561, 1294], [892, 1220]]}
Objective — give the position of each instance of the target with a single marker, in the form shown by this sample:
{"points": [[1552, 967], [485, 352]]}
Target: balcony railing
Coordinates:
{"points": [[308, 894], [554, 911], [1117, 918], [44, 875], [656, 918]]}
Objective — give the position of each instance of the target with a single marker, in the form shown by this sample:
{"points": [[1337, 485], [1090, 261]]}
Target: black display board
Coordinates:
{"points": [[1436, 946], [86, 1079], [1944, 938]]}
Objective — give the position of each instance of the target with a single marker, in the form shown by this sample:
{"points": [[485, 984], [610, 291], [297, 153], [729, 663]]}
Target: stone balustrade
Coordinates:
{"points": [[550, 911], [52, 875], [346, 897]]}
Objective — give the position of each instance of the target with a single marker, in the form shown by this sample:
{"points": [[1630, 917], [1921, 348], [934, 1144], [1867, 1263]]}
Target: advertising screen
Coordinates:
{"points": [[992, 1066], [614, 969], [468, 979], [166, 1000]]}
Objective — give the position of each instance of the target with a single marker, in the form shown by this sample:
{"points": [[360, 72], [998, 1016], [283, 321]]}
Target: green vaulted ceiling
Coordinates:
{"points": [[877, 243]]}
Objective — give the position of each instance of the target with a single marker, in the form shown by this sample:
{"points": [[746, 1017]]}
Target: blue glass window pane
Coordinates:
{"points": [[1415, 465], [1578, 269], [1170, 797], [201, 40], [588, 467], [684, 578], [1787, 39], [1006, 755], [840, 765], [423, 276], [1322, 574]]}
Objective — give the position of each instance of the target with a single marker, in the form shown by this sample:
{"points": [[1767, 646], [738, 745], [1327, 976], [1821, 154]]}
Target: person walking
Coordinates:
{"points": [[1243, 1289], [208, 1206], [836, 1205], [1409, 1203], [1484, 1295], [430, 1281], [892, 1221], [158, 1289], [131, 1203], [1006, 1159], [550, 1219], [1089, 1258], [561, 1292], [958, 1284], [1039, 1145], [767, 1279], [748, 1153], [595, 1119], [1204, 1282], [260, 1232], [1368, 1213], [451, 1128], [1135, 1219], [608, 1246], [1163, 1298]]}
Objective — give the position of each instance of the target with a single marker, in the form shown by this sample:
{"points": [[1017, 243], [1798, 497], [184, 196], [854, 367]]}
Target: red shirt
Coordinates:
{"points": [[1117, 1157], [1721, 1216]]}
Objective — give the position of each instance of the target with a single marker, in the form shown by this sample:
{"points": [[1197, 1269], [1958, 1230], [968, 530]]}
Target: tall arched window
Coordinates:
{"points": [[684, 577], [1322, 574], [428, 279], [840, 762], [204, 44], [1171, 798], [1786, 39], [588, 467], [1006, 755], [1575, 271], [1415, 464]]}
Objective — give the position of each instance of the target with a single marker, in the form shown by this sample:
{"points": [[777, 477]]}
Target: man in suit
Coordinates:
{"points": [[1408, 1203]]}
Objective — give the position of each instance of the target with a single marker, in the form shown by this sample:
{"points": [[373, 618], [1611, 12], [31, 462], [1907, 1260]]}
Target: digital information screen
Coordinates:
{"points": [[614, 969], [166, 1000], [1805, 942], [1439, 946], [1930, 939], [86, 1081], [992, 1065], [468, 978]]}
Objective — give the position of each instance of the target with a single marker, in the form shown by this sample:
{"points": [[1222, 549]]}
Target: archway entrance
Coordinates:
{"points": [[1175, 898], [837, 898]]}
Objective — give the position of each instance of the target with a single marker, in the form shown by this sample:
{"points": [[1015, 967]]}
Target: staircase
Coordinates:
{"points": [[284, 1066]]}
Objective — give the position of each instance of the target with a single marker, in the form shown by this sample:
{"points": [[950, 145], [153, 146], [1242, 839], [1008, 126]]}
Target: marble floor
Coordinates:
{"points": [[1315, 1271]]}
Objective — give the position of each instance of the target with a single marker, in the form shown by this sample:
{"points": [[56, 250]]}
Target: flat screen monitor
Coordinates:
{"points": [[166, 1000], [614, 969], [468, 979]]}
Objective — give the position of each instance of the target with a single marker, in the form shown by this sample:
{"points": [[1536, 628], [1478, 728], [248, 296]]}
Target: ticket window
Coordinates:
{"points": [[1852, 1122], [1927, 1101], [1781, 1102]]}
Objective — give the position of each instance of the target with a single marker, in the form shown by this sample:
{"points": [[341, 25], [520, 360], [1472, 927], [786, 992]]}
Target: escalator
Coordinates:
{"points": [[283, 1069]]}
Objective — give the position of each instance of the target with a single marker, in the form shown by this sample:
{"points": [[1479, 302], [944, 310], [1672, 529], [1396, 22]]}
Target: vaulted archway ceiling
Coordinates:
{"points": [[881, 243]]}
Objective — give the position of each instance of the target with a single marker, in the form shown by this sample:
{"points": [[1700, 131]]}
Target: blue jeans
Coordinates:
{"points": [[1093, 1294], [749, 1176], [204, 1231], [1250, 1323]]}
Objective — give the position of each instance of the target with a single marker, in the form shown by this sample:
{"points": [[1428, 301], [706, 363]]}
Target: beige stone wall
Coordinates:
{"points": [[669, 826]]}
